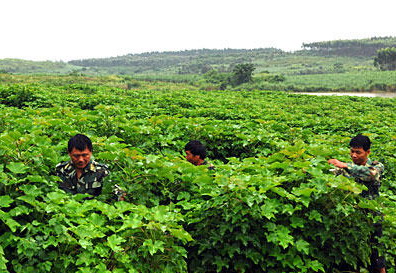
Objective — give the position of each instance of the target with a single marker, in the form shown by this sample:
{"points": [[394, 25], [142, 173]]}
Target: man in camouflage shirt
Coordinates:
{"points": [[368, 173], [81, 174]]}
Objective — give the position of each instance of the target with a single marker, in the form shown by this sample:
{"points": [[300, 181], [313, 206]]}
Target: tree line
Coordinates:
{"points": [[358, 47], [181, 58], [386, 58]]}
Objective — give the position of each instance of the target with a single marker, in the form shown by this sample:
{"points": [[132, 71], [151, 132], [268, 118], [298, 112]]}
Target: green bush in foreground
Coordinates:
{"points": [[47, 230], [271, 205], [284, 213]]}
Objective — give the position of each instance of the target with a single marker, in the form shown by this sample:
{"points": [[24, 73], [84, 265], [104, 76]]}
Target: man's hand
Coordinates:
{"points": [[337, 163]]}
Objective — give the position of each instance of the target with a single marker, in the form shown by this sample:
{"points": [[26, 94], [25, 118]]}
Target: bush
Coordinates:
{"points": [[271, 205], [280, 214], [17, 95], [273, 78], [47, 230]]}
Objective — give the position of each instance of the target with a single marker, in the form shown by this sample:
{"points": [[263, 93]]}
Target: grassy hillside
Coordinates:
{"points": [[19, 66], [318, 57], [199, 62], [320, 66]]}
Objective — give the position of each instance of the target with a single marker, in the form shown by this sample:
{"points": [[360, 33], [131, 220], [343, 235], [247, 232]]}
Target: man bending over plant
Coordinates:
{"points": [[196, 154], [81, 174], [368, 173]]}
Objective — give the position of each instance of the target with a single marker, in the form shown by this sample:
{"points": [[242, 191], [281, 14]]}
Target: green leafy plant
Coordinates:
{"points": [[271, 205]]}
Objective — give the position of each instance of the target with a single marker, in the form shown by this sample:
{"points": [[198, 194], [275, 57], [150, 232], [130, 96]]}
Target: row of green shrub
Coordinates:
{"points": [[271, 205]]}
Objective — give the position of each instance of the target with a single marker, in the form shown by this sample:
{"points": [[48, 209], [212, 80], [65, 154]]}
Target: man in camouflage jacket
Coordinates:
{"points": [[81, 174], [368, 173]]}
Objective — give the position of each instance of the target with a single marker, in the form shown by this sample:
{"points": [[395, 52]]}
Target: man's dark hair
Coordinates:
{"points": [[196, 148], [80, 142], [360, 141]]}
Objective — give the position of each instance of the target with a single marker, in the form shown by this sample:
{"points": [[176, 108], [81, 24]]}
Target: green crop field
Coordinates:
{"points": [[348, 81], [271, 205]]}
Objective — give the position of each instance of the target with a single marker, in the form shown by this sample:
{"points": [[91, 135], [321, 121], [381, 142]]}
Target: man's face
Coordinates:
{"points": [[79, 158], [194, 159], [359, 156]]}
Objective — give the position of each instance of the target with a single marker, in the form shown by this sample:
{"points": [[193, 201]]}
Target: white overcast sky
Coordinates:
{"points": [[63, 30]]}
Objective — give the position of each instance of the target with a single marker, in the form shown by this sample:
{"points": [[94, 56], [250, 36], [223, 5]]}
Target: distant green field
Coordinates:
{"points": [[301, 63], [349, 81], [365, 80]]}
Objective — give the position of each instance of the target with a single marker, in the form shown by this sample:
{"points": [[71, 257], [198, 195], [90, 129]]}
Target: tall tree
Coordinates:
{"points": [[242, 73], [386, 58]]}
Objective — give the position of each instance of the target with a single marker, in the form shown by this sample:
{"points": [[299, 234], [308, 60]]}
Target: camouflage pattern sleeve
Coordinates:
{"points": [[368, 173], [339, 171]]}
